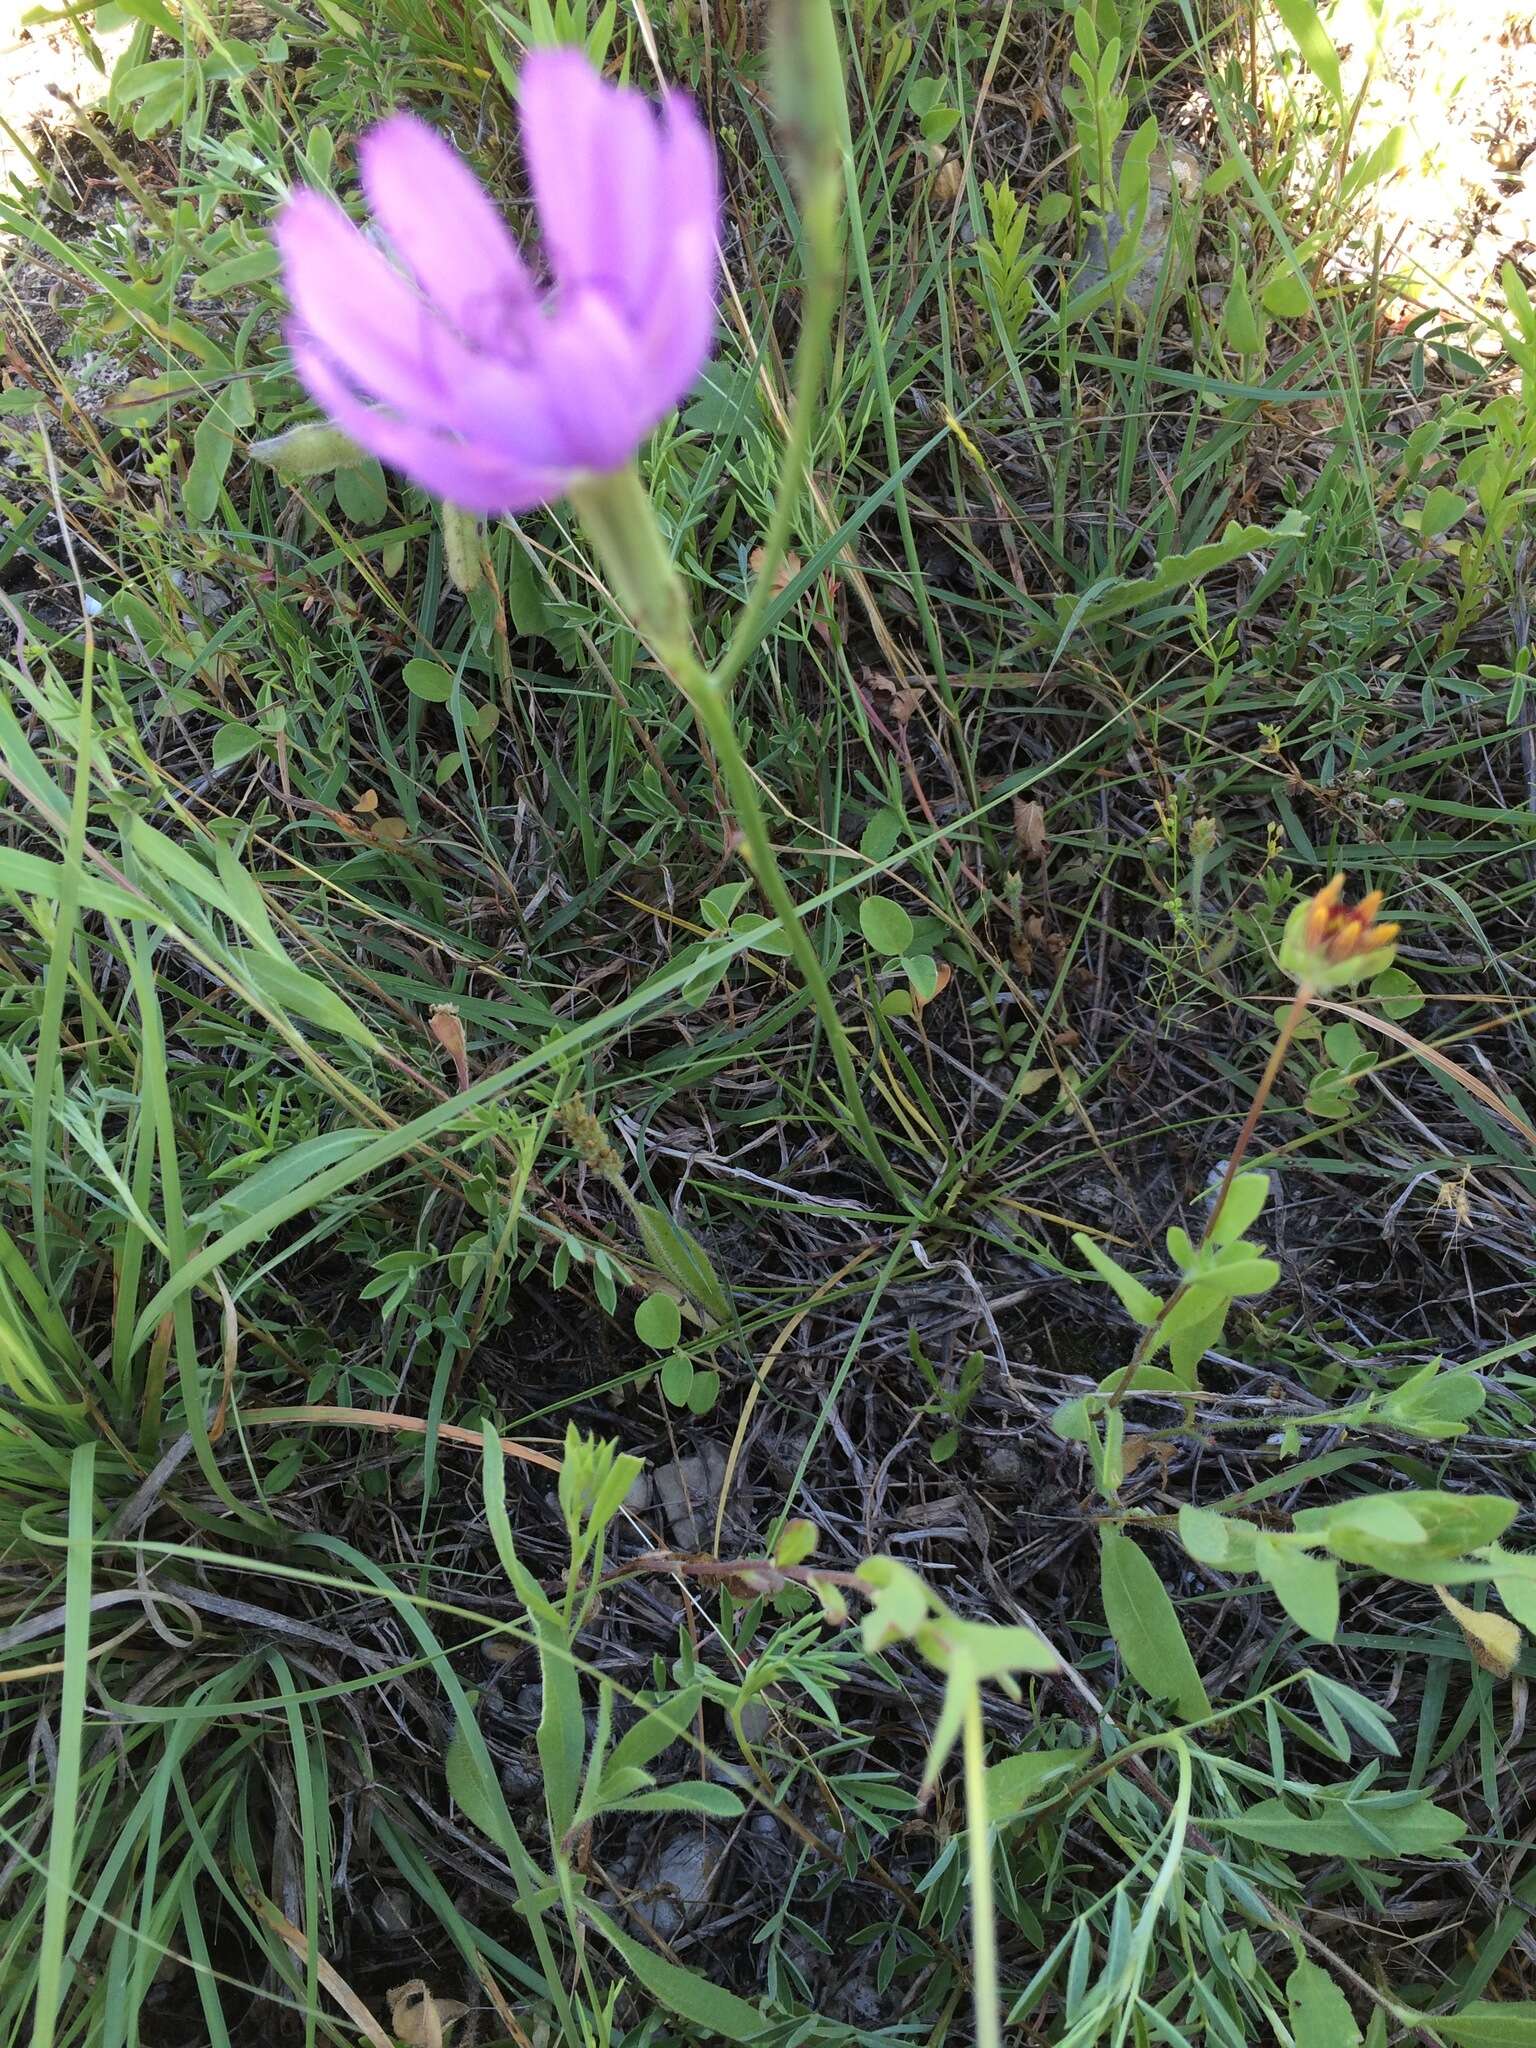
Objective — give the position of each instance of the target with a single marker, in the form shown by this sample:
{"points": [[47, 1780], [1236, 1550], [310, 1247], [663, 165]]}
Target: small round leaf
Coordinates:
{"points": [[885, 925], [1398, 993], [428, 680], [362, 492], [677, 1378], [923, 973], [658, 1322], [880, 835], [704, 1392]]}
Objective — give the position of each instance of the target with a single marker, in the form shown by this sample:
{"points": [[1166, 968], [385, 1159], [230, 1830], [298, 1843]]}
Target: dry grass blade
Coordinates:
{"points": [[1502, 1109], [396, 1425], [296, 1940]]}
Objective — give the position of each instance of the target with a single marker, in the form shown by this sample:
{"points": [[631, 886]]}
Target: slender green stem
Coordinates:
{"points": [[814, 112], [989, 2030], [58, 1894], [1162, 1738], [623, 524], [713, 712], [50, 1024], [823, 282]]}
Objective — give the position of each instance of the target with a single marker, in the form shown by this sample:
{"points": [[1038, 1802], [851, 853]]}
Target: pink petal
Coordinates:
{"points": [[476, 386], [630, 222], [442, 223], [594, 159], [678, 332], [393, 348], [467, 476], [631, 206], [363, 311], [691, 195], [508, 412], [594, 382]]}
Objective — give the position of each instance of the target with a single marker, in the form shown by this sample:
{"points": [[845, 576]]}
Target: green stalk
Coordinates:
{"points": [[59, 1888], [618, 514], [812, 109], [711, 708], [47, 1065], [978, 1835]]}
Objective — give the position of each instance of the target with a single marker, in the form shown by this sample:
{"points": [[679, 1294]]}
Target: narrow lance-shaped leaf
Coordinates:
{"points": [[1489, 2024], [1241, 1210], [678, 1255], [1314, 43], [1138, 1301], [1174, 572], [1145, 1626]]}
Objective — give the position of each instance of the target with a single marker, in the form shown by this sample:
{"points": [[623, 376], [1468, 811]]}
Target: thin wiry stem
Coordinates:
{"points": [[1282, 1045], [823, 280]]}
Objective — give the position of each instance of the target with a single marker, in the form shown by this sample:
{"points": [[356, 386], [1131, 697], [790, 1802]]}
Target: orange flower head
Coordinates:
{"points": [[1329, 943]]}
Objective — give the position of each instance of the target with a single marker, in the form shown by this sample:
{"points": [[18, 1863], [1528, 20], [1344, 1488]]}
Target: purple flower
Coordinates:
{"points": [[455, 363]]}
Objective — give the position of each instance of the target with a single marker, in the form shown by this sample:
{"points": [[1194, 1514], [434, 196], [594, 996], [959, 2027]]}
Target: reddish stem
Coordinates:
{"points": [[1261, 1094]]}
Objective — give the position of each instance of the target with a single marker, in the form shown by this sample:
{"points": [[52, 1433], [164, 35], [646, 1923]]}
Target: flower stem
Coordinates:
{"points": [[1267, 1079], [813, 114], [989, 2032], [712, 709], [622, 522], [1282, 1045]]}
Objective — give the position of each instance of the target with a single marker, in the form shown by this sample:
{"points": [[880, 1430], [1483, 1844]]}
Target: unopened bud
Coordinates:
{"points": [[314, 449], [462, 556], [808, 93]]}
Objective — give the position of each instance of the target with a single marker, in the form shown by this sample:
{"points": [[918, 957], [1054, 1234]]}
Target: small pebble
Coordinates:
{"points": [[682, 1877], [392, 1910], [684, 1492], [1002, 1465]]}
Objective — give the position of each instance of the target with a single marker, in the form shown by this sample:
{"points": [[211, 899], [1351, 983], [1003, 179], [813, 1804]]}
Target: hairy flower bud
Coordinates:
{"points": [[1329, 943]]}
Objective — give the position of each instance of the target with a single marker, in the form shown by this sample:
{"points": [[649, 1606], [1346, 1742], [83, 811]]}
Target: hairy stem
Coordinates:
{"points": [[989, 2031], [1261, 1094]]}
